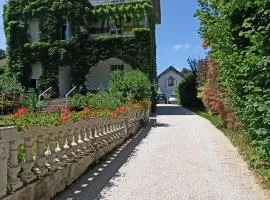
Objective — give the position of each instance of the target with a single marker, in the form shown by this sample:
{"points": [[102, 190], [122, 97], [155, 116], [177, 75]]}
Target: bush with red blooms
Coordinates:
{"points": [[21, 112], [214, 97], [55, 117], [65, 115]]}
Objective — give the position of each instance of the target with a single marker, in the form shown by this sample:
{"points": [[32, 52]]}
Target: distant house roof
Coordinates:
{"points": [[171, 68]]}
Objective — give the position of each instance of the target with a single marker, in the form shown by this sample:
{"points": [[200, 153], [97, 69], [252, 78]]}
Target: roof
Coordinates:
{"points": [[171, 68]]}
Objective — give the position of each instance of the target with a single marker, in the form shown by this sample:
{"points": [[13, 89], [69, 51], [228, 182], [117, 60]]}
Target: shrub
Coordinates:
{"points": [[214, 97], [100, 100], [134, 84], [187, 90], [187, 93], [10, 93]]}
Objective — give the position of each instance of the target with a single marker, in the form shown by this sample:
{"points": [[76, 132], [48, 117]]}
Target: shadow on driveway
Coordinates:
{"points": [[164, 109]]}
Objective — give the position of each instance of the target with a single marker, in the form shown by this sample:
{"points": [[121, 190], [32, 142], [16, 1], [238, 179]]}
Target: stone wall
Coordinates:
{"points": [[54, 157]]}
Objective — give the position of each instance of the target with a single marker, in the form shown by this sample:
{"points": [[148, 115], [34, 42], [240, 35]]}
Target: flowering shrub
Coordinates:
{"points": [[54, 117], [214, 97], [21, 112]]}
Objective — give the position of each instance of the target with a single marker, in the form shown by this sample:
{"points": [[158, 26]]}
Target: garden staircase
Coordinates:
{"points": [[58, 103]]}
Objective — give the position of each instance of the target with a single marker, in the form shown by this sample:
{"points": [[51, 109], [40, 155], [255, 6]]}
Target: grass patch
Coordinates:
{"points": [[243, 142]]}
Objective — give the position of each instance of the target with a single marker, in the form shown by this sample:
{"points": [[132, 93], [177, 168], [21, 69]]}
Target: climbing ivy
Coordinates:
{"points": [[82, 52], [131, 12]]}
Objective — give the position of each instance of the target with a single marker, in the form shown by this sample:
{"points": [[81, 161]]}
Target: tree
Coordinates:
{"points": [[187, 90], [2, 54]]}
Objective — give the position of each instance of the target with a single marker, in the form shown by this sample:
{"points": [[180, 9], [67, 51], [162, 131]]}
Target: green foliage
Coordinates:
{"points": [[32, 102], [100, 100], [9, 84], [186, 72], [125, 88], [187, 91], [131, 12], [134, 84], [238, 36]]}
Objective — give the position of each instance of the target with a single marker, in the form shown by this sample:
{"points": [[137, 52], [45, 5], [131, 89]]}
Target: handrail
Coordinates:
{"points": [[69, 94], [39, 96]]}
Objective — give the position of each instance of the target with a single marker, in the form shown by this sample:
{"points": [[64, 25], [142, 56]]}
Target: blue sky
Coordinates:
{"points": [[177, 36]]}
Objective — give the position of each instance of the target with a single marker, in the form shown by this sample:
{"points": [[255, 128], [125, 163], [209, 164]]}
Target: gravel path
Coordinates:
{"points": [[183, 157]]}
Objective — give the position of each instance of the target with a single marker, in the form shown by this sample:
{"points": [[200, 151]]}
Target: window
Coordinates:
{"points": [[66, 29], [171, 81], [115, 30], [33, 83], [117, 68]]}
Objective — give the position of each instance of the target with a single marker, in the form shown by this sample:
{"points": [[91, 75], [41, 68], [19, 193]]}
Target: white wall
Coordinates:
{"points": [[33, 30], [163, 83], [64, 80], [98, 77]]}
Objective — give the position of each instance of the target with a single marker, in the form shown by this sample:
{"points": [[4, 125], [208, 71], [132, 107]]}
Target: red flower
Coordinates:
{"points": [[20, 113], [65, 115], [89, 107]]}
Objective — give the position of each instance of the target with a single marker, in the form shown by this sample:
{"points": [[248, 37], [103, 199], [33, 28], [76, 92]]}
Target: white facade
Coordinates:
{"points": [[98, 77], [168, 81]]}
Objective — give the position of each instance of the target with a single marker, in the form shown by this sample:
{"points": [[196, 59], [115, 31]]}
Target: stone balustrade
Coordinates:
{"points": [[54, 157]]}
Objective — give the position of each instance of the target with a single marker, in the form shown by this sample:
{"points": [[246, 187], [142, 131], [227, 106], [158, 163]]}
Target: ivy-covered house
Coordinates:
{"points": [[66, 43]]}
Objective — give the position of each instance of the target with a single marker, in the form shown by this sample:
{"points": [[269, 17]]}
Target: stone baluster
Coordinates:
{"points": [[91, 138], [14, 182], [86, 148], [68, 148], [83, 140], [96, 143], [40, 164], [27, 174], [60, 149], [50, 153], [110, 132], [73, 145], [79, 141], [102, 135], [4, 154]]}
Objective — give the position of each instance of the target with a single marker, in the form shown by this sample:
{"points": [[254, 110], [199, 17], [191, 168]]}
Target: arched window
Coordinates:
{"points": [[171, 81]]}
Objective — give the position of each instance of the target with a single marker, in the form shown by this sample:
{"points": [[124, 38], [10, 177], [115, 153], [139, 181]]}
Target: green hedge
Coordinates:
{"points": [[238, 37]]}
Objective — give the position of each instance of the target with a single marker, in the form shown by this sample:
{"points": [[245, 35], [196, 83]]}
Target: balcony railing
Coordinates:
{"points": [[54, 157]]}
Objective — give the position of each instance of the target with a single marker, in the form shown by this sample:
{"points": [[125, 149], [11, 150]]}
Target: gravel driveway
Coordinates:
{"points": [[183, 157]]}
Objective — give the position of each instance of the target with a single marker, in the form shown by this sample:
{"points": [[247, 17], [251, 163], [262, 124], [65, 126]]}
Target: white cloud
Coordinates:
{"points": [[177, 47]]}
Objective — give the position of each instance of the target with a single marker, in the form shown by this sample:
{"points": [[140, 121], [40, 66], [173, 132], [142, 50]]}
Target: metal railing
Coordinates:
{"points": [[69, 94], [39, 96]]}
